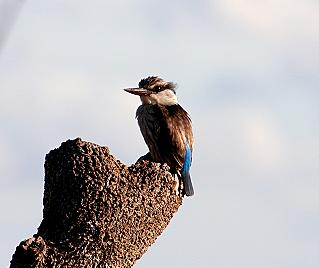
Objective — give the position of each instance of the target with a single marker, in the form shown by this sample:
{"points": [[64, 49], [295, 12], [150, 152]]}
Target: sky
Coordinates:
{"points": [[247, 72]]}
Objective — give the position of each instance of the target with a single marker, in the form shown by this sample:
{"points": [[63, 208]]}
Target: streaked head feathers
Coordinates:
{"points": [[156, 84]]}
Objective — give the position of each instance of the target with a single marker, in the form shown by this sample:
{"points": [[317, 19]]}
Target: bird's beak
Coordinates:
{"points": [[138, 91]]}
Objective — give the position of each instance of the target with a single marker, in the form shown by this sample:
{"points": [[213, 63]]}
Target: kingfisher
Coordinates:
{"points": [[166, 127]]}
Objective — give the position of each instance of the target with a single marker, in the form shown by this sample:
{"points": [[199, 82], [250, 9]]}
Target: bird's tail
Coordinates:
{"points": [[188, 186]]}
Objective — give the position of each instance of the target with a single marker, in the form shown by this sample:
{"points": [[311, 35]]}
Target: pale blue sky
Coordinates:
{"points": [[247, 73]]}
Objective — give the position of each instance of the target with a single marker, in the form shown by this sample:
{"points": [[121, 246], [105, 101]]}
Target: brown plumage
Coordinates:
{"points": [[166, 131]]}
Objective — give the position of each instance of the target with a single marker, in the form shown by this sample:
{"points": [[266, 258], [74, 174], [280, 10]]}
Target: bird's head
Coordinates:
{"points": [[155, 90]]}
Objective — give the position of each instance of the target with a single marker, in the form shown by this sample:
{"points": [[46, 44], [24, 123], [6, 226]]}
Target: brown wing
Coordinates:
{"points": [[177, 134], [166, 131]]}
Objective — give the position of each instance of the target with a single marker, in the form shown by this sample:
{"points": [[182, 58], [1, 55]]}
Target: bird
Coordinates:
{"points": [[166, 127]]}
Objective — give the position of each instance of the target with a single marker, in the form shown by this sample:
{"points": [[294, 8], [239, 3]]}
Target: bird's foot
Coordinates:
{"points": [[145, 157]]}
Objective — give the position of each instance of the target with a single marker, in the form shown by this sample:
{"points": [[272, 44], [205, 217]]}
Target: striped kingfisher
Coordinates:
{"points": [[166, 127]]}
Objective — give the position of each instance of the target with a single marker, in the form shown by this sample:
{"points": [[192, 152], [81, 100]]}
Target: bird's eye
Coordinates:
{"points": [[157, 88]]}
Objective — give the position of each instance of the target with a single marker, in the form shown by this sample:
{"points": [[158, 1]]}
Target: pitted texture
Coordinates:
{"points": [[97, 211]]}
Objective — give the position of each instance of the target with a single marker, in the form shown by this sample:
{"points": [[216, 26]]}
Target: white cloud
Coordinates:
{"points": [[274, 18], [262, 139]]}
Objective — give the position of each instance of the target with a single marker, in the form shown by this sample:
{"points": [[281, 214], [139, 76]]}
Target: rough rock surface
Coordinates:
{"points": [[97, 211]]}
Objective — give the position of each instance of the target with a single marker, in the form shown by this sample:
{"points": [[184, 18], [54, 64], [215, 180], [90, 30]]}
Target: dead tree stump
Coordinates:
{"points": [[97, 211]]}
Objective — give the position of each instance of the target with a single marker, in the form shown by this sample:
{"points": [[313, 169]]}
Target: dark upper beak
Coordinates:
{"points": [[138, 91]]}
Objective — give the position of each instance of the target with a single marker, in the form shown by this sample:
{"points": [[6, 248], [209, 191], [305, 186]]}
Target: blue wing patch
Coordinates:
{"points": [[187, 160]]}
